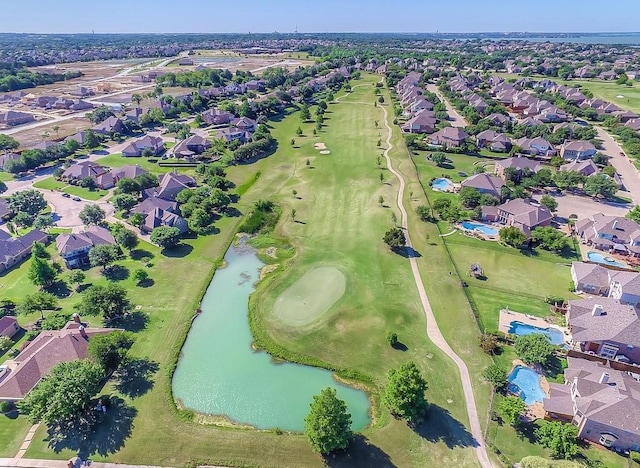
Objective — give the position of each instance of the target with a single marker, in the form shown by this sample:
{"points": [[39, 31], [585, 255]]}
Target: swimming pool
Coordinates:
{"points": [[554, 335], [599, 258], [483, 228], [441, 184], [525, 383]]}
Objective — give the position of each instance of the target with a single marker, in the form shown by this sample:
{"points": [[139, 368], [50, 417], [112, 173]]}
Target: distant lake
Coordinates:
{"points": [[631, 39]]}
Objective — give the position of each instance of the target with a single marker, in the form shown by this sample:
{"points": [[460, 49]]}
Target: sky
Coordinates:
{"points": [[226, 16]]}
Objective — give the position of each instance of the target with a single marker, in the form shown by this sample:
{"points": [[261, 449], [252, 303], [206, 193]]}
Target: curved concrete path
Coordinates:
{"points": [[433, 332]]}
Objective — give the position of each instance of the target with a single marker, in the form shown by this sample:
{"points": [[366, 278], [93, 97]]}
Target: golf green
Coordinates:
{"points": [[311, 296]]}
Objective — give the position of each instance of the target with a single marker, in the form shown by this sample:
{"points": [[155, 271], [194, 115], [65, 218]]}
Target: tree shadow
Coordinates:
{"points": [[94, 433], [179, 251], [526, 431], [139, 254], [146, 283], [60, 289], [135, 378], [407, 252], [360, 453], [232, 212], [134, 321], [116, 273], [440, 426], [400, 346]]}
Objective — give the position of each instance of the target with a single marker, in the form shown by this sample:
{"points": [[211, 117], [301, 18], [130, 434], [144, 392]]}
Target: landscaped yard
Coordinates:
{"points": [[12, 433], [50, 183], [609, 91], [5, 176], [75, 190], [117, 160]]}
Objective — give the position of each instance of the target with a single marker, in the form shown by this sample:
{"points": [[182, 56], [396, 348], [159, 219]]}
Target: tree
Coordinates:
{"points": [[395, 238], [110, 301], [496, 375], [549, 238], [7, 142], [91, 214], [5, 344], [488, 342], [165, 237], [55, 321], [380, 99], [511, 408], [549, 202], [128, 185], [136, 219], [140, 275], [76, 277], [534, 348], [392, 339], [470, 197], [43, 222], [91, 140], [328, 424], [41, 273], [64, 393], [439, 158], [600, 185], [23, 219], [37, 302], [27, 201], [567, 179], [634, 214], [424, 213], [126, 238], [136, 98], [123, 202], [560, 439], [3, 187], [103, 255], [39, 250], [305, 113], [299, 131], [512, 236], [109, 350], [100, 114], [404, 394]]}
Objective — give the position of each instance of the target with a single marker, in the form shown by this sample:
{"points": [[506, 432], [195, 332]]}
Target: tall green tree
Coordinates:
{"points": [[560, 439], [511, 408], [41, 273], [404, 394], [103, 255], [395, 238], [534, 348], [27, 201], [64, 393], [110, 350], [166, 237], [91, 214], [37, 302], [328, 424], [600, 185], [549, 202], [110, 301], [549, 238], [496, 375], [512, 236], [634, 214]]}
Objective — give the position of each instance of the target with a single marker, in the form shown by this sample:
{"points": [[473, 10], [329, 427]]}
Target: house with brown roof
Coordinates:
{"points": [[15, 249], [74, 248], [536, 146], [594, 278], [601, 401], [585, 167], [495, 141], [423, 122], [498, 120], [170, 185], [127, 172], [9, 326], [109, 125], [11, 118], [217, 117], [485, 183], [450, 137], [605, 327], [136, 147], [610, 233], [520, 214], [49, 348], [517, 163], [577, 149], [192, 146], [100, 175]]}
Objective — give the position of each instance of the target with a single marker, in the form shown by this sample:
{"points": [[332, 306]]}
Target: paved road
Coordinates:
{"points": [[624, 167], [434, 333], [37, 463], [584, 207], [455, 118]]}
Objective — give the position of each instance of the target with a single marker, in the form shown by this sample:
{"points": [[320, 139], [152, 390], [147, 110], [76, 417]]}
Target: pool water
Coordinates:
{"points": [[525, 383], [554, 335], [441, 184], [599, 258], [483, 228]]}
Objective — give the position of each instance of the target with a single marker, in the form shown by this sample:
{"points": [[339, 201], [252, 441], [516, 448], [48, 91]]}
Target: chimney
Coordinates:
{"points": [[597, 310], [615, 224], [76, 318], [82, 332], [604, 378]]}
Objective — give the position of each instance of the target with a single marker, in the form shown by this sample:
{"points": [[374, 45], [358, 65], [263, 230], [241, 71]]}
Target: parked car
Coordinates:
{"points": [[66, 195], [76, 199]]}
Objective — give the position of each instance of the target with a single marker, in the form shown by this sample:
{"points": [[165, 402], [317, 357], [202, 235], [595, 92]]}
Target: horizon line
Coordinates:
{"points": [[438, 33]]}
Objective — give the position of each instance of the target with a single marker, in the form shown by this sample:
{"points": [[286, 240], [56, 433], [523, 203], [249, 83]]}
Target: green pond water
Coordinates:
{"points": [[220, 374]]}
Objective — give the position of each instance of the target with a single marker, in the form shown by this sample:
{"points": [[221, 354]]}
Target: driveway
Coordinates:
{"points": [[623, 165], [584, 207], [454, 117], [66, 210]]}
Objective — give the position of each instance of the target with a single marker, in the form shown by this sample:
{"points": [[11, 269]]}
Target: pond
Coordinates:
{"points": [[220, 374]]}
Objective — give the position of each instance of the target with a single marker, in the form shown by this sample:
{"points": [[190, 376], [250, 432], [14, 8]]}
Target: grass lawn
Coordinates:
{"points": [[117, 160], [609, 91], [50, 183], [12, 433], [5, 176], [85, 193]]}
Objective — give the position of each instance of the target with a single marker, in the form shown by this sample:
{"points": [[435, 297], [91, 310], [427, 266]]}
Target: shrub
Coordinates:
{"points": [[6, 406], [392, 338], [635, 456], [5, 343]]}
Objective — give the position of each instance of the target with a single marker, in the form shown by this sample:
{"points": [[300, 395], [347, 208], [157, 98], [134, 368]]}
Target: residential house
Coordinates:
{"points": [[485, 183], [423, 122], [217, 117], [231, 133], [133, 115], [536, 146], [80, 137], [498, 120], [586, 167], [605, 327], [245, 124], [4, 210], [191, 146], [5, 158], [578, 149], [109, 125], [40, 355], [610, 233], [601, 401], [136, 147], [520, 214], [256, 85], [517, 163], [15, 249], [170, 185], [498, 142], [9, 326], [127, 172], [81, 91], [74, 248], [593, 278], [11, 118], [89, 169], [160, 212], [451, 137], [633, 124]]}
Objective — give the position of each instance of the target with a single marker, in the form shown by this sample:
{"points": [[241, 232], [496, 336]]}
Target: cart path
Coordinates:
{"points": [[433, 331]]}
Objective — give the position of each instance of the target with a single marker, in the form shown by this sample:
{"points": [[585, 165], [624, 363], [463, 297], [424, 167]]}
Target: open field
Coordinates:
{"points": [[609, 91]]}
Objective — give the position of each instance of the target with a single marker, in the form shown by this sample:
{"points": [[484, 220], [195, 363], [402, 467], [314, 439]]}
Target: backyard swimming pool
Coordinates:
{"points": [[554, 335], [442, 185], [599, 258], [525, 383], [482, 228]]}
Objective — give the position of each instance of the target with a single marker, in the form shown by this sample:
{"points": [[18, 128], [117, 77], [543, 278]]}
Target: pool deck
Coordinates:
{"points": [[535, 411], [508, 316], [475, 233], [585, 249]]}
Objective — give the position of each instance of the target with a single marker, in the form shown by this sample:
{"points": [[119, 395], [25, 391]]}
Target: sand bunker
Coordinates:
{"points": [[320, 146], [306, 300], [325, 152], [620, 96]]}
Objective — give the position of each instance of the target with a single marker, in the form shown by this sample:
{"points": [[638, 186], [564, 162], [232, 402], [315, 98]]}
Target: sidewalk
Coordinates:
{"points": [[33, 463]]}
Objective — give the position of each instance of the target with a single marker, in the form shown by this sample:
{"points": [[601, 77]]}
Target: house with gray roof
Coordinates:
{"points": [[9, 326], [593, 278], [517, 163], [577, 149], [536, 146], [495, 141], [170, 185], [485, 183], [15, 249], [519, 213], [11, 118], [192, 146], [610, 233], [74, 248], [109, 125], [136, 147], [605, 327], [450, 137], [127, 172], [604, 403], [585, 167]]}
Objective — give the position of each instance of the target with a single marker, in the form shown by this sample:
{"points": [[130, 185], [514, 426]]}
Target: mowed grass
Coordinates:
{"points": [[50, 183], [5, 176], [85, 193], [609, 91], [117, 160], [12, 433]]}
